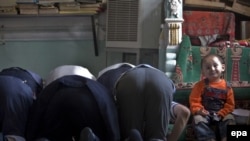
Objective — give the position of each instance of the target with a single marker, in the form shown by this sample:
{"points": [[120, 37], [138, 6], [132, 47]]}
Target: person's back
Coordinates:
{"points": [[71, 102], [18, 88], [143, 95], [109, 76]]}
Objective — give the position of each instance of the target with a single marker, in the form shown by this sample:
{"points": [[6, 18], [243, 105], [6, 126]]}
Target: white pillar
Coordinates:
{"points": [[173, 32]]}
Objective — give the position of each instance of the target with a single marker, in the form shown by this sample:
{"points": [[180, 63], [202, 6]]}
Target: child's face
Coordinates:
{"points": [[212, 68]]}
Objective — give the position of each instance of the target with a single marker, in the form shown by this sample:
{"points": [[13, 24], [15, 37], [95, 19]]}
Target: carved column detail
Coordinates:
{"points": [[173, 20], [236, 55]]}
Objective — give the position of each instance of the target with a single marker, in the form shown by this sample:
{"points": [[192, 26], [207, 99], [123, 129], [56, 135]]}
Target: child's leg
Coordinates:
{"points": [[182, 114], [227, 120], [14, 138], [202, 128]]}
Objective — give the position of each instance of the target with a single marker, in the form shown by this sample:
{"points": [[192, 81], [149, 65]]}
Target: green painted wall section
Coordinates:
{"points": [[43, 56]]}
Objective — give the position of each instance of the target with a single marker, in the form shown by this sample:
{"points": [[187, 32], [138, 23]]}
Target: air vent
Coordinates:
{"points": [[122, 20], [133, 23]]}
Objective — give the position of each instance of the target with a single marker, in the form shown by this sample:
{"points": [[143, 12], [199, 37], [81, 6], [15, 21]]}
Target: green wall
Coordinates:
{"points": [[43, 56]]}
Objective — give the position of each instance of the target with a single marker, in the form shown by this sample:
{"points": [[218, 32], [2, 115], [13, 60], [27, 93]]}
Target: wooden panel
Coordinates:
{"points": [[244, 2], [212, 4], [240, 8], [205, 4]]}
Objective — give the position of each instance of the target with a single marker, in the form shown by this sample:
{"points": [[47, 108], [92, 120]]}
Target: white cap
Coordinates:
{"points": [[68, 70]]}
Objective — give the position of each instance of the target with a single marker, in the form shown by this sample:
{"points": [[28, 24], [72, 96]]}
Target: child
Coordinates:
{"points": [[211, 100]]}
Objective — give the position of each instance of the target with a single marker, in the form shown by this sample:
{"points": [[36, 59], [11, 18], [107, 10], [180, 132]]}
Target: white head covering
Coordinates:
{"points": [[68, 70]]}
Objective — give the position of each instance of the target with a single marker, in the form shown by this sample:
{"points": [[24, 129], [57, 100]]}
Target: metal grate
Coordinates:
{"points": [[122, 20]]}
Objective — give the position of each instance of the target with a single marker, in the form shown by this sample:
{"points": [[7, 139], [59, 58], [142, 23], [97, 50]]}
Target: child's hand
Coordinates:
{"points": [[203, 112]]}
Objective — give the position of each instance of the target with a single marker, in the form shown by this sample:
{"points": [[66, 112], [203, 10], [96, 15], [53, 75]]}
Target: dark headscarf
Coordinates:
{"points": [[33, 80]]}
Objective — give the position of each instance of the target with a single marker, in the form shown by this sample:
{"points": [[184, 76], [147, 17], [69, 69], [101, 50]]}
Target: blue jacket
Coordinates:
{"points": [[103, 99]]}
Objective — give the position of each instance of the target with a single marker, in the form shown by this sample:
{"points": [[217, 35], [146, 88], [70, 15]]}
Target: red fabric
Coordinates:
{"points": [[201, 23]]}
